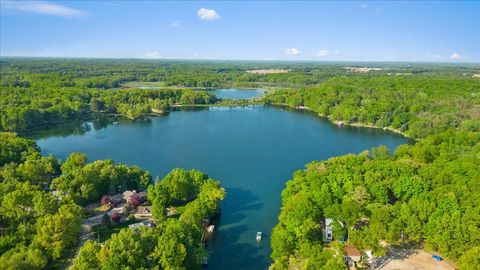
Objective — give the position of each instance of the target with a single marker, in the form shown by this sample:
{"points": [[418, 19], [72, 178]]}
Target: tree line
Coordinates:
{"points": [[417, 106]]}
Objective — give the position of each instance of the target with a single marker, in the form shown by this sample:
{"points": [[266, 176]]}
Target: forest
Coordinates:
{"points": [[420, 195], [41, 93], [42, 207], [416, 106], [45, 106]]}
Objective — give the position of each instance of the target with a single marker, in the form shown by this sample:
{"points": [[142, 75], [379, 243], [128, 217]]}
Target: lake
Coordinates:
{"points": [[252, 150], [234, 93]]}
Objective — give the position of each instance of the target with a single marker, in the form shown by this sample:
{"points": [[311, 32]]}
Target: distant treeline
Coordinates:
{"points": [[25, 108]]}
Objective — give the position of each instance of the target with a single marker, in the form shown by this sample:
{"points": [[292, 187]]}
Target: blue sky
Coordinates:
{"points": [[325, 31]]}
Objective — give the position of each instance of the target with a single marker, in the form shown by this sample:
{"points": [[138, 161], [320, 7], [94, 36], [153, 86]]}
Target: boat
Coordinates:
{"points": [[259, 236], [115, 123], [204, 262]]}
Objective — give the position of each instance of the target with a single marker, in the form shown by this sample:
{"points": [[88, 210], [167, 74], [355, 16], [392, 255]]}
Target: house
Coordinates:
{"points": [[328, 230], [171, 211], [142, 196], [141, 224], [116, 199], [127, 194], [352, 255], [144, 212]]}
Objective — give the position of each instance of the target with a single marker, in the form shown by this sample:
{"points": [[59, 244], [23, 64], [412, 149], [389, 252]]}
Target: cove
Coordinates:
{"points": [[253, 150]]}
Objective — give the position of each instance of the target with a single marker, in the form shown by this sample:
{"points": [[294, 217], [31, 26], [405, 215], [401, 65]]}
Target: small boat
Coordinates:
{"points": [[259, 236], [115, 123], [204, 262], [210, 229]]}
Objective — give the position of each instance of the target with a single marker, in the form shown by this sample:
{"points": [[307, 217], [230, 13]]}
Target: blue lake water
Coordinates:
{"points": [[252, 150], [234, 93]]}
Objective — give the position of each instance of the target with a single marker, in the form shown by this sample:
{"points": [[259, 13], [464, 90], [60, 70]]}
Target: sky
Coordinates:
{"points": [[443, 31]]}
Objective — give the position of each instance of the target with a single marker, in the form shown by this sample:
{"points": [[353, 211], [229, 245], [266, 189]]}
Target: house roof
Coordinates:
{"points": [[127, 194], [137, 225], [144, 209], [351, 251], [116, 197], [141, 194]]}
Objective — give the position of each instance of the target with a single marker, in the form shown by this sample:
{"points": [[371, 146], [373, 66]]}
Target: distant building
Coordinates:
{"points": [[328, 230]]}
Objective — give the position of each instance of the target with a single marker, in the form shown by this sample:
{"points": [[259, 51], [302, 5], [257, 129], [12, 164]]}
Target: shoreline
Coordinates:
{"points": [[250, 103], [345, 123]]}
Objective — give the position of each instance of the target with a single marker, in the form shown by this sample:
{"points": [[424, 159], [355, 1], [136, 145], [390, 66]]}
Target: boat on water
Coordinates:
{"points": [[204, 262], [259, 236]]}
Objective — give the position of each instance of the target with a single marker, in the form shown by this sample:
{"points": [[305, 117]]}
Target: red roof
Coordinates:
{"points": [[351, 251]]}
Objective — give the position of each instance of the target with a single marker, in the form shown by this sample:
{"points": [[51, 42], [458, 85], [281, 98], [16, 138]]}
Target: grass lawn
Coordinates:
{"points": [[103, 233]]}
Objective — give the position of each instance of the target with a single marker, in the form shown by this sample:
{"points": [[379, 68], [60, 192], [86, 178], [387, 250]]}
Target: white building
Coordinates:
{"points": [[327, 230]]}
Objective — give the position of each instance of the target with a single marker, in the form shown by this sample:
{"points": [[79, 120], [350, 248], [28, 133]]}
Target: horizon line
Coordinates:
{"points": [[241, 60]]}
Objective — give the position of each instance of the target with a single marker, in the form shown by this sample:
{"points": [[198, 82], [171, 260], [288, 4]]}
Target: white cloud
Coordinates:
{"points": [[323, 53], [176, 23], [42, 7], [292, 51], [455, 56], [363, 6], [153, 55], [206, 14]]}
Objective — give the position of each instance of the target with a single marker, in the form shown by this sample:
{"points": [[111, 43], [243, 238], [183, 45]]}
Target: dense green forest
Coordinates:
{"points": [[41, 106], [427, 193], [38, 93], [40, 228], [424, 194], [420, 195], [417, 106]]}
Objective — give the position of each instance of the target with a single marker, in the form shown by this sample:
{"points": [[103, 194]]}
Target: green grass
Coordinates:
{"points": [[103, 233], [137, 84]]}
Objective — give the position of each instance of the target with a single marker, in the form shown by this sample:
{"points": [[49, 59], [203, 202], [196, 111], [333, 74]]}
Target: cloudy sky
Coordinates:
{"points": [[327, 31]]}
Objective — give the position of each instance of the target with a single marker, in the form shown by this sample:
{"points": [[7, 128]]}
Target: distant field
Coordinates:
{"points": [[138, 84]]}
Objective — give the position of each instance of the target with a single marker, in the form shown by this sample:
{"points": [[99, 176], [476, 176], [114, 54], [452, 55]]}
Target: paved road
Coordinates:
{"points": [[86, 232]]}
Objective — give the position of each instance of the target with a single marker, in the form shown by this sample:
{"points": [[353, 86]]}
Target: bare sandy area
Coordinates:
{"points": [[417, 260], [268, 71]]}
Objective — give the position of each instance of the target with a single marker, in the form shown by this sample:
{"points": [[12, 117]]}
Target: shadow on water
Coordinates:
{"points": [[81, 127], [226, 248], [76, 128]]}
